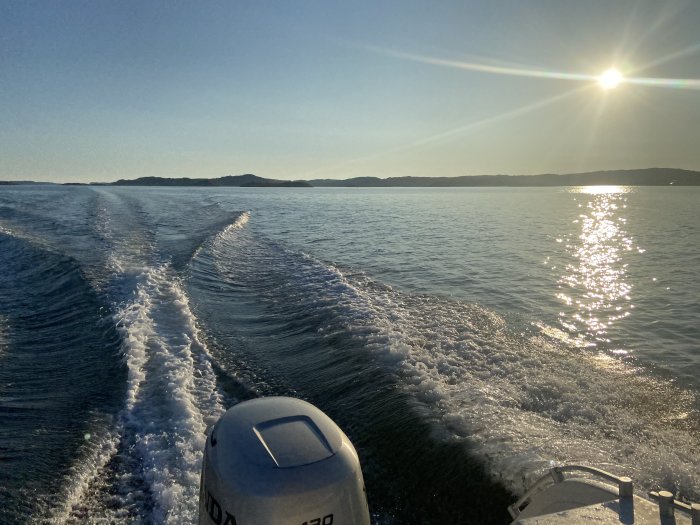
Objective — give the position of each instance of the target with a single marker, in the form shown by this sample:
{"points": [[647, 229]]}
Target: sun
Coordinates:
{"points": [[610, 79]]}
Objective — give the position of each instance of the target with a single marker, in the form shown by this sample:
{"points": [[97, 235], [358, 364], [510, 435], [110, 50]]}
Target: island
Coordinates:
{"points": [[246, 181]]}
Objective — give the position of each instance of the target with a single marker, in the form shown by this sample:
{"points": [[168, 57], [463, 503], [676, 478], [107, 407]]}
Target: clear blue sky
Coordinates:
{"points": [[97, 90]]}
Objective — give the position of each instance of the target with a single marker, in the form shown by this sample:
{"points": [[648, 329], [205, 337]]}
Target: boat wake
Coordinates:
{"points": [[145, 465], [515, 398], [523, 402]]}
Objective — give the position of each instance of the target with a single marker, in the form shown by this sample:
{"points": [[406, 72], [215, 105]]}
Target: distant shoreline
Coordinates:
{"points": [[637, 177], [634, 177]]}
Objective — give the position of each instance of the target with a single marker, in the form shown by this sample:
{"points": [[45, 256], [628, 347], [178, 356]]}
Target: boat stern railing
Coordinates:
{"points": [[666, 501], [556, 475]]}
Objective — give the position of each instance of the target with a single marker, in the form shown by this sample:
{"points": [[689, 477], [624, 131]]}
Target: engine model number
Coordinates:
{"points": [[326, 520]]}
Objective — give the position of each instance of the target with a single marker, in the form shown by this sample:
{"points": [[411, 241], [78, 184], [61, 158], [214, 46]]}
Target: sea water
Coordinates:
{"points": [[466, 339]]}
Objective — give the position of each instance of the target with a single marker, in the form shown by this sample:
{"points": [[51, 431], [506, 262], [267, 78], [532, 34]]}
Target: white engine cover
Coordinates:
{"points": [[279, 460]]}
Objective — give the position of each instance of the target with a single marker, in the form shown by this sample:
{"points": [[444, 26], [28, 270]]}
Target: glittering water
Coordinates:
{"points": [[596, 283], [463, 338]]}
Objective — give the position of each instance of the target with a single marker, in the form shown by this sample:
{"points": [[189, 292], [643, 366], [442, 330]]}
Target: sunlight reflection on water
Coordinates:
{"points": [[595, 283], [599, 190]]}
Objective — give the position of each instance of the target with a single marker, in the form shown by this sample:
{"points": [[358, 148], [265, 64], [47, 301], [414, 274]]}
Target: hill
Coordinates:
{"points": [[247, 180], [637, 177], [21, 183]]}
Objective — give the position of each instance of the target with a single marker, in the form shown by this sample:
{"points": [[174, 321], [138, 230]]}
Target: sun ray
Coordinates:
{"points": [[590, 137], [454, 131], [484, 68], [679, 83], [687, 51], [665, 18]]}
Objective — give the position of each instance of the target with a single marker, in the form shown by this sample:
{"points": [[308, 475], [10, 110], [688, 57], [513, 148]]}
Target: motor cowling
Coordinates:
{"points": [[280, 460]]}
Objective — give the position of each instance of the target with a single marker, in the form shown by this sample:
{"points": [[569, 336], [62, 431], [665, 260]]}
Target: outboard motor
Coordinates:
{"points": [[279, 460]]}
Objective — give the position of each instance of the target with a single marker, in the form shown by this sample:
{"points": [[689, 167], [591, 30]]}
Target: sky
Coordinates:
{"points": [[95, 91]]}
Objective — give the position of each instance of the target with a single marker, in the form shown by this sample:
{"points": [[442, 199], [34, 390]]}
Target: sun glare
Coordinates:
{"points": [[610, 79]]}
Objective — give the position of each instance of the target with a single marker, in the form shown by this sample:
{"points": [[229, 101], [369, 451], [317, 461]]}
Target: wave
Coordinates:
{"points": [[523, 403], [51, 315], [144, 465], [171, 399], [125, 236], [81, 483], [518, 400], [239, 223], [172, 396]]}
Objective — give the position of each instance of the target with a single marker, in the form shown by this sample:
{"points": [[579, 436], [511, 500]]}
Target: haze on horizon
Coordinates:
{"points": [[97, 91]]}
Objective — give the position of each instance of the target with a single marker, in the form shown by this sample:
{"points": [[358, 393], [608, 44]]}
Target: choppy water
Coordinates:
{"points": [[465, 339]]}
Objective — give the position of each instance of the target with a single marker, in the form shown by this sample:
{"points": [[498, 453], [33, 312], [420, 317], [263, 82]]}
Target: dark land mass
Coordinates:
{"points": [[639, 177], [247, 180], [21, 182], [278, 184], [636, 177]]}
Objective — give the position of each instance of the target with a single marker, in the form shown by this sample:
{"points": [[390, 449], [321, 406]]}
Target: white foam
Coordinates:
{"points": [[82, 481], [225, 233], [171, 400], [5, 230], [522, 402], [519, 402], [172, 395], [239, 223]]}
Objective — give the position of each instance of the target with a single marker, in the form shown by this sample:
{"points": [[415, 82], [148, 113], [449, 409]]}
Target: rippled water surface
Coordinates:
{"points": [[464, 338]]}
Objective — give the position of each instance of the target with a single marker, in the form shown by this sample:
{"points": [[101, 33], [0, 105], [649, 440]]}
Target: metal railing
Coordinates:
{"points": [[556, 475], [667, 504]]}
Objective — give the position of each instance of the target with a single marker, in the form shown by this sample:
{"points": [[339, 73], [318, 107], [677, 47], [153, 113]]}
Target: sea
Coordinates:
{"points": [[465, 339]]}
